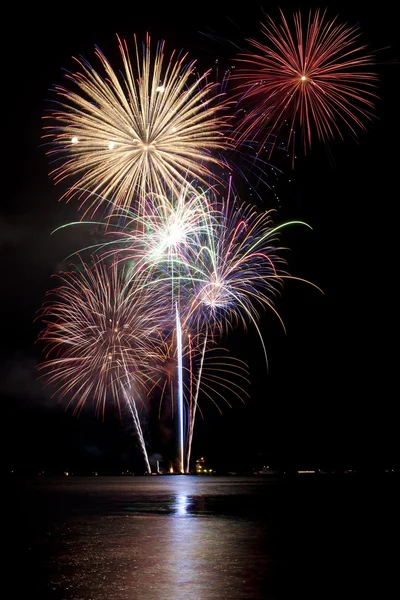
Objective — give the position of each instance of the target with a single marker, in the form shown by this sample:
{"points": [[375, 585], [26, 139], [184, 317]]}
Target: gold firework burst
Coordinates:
{"points": [[121, 135]]}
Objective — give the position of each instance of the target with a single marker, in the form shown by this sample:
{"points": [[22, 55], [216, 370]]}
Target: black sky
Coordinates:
{"points": [[331, 393]]}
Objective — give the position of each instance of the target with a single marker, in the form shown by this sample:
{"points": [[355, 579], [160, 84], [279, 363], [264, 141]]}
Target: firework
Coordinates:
{"points": [[226, 269], [97, 332], [237, 271], [215, 265], [100, 340], [163, 238], [208, 266], [124, 135], [315, 75]]}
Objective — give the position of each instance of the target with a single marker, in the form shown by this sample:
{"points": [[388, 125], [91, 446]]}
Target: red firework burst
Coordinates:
{"points": [[315, 76]]}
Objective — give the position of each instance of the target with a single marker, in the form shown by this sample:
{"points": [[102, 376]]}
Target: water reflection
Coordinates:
{"points": [[151, 552], [182, 538], [181, 505], [203, 556]]}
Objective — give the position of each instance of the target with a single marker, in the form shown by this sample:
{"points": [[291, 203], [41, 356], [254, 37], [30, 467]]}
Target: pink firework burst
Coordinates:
{"points": [[100, 337]]}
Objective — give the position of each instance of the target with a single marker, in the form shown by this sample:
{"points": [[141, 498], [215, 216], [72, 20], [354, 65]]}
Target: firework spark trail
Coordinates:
{"points": [[317, 76], [216, 376], [180, 388], [193, 406], [132, 407], [155, 124]]}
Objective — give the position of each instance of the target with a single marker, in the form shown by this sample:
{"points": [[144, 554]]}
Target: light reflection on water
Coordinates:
{"points": [[181, 505], [155, 540], [183, 538]]}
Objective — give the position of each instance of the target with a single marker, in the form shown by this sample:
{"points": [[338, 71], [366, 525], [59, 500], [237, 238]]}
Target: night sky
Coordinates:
{"points": [[330, 397]]}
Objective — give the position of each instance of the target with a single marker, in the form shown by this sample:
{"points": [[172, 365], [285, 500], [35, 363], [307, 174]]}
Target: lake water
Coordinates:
{"points": [[205, 538]]}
